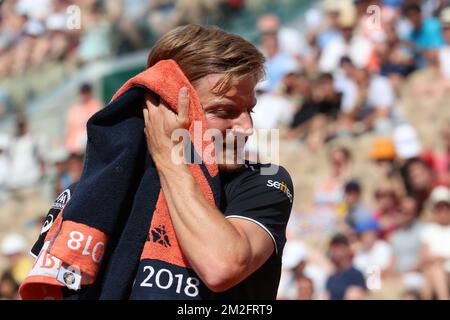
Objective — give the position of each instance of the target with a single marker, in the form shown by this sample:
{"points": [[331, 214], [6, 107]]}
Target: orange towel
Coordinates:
{"points": [[118, 221]]}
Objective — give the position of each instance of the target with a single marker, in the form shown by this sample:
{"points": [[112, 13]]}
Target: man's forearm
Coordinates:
{"points": [[213, 246]]}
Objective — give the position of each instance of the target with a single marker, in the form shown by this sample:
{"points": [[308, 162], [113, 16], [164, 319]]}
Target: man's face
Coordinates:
{"points": [[230, 114]]}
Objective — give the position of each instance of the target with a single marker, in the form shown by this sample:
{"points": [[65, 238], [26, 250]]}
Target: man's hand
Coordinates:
{"points": [[161, 122]]}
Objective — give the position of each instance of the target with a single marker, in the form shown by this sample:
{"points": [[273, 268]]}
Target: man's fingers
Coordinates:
{"points": [[183, 106]]}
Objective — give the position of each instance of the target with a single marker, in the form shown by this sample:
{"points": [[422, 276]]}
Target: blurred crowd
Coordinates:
{"points": [[340, 77], [36, 35], [33, 32]]}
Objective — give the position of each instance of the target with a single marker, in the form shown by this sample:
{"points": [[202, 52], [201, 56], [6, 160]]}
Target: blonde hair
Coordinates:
{"points": [[203, 50]]}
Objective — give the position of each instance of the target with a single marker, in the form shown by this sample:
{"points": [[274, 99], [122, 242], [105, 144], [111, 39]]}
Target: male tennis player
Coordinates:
{"points": [[235, 249]]}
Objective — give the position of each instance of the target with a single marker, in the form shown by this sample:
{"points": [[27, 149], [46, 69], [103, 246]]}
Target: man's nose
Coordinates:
{"points": [[243, 125]]}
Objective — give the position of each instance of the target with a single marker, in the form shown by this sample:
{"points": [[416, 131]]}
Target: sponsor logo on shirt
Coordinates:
{"points": [[62, 200], [282, 186]]}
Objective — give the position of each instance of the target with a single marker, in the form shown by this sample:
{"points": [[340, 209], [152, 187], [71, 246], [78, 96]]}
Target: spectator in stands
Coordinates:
{"points": [[420, 179], [387, 209], [408, 149], [305, 288], [374, 254], [367, 98], [441, 161], [406, 244], [436, 246], [440, 58], [78, 115], [357, 211], [315, 120], [346, 282], [397, 58], [303, 261], [327, 28], [330, 191], [379, 101], [443, 86], [384, 157], [296, 87], [271, 110], [58, 174], [350, 43], [130, 17], [278, 63], [74, 167], [95, 41], [27, 162], [14, 250], [426, 34], [57, 33], [68, 169], [351, 100], [9, 288], [289, 39]]}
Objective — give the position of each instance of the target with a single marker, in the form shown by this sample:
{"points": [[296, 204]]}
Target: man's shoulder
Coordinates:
{"points": [[265, 171], [257, 180]]}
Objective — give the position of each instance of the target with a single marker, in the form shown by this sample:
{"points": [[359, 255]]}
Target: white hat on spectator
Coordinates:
{"points": [[294, 253], [407, 144], [12, 244], [440, 194]]}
